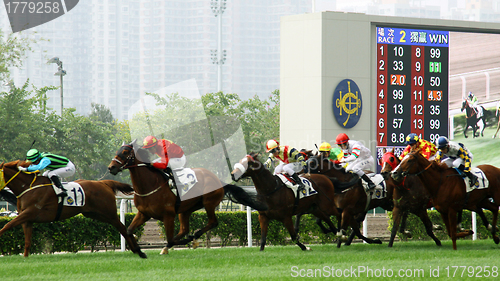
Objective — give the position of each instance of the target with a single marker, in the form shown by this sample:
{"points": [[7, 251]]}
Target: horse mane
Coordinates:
{"points": [[16, 163], [141, 154]]}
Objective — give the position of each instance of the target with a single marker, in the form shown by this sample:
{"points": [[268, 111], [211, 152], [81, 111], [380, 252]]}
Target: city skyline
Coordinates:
{"points": [[116, 51]]}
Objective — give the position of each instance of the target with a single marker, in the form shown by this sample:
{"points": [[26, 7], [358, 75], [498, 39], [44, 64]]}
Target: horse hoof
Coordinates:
{"points": [[496, 239], [164, 251], [144, 256], [377, 241], [196, 244]]}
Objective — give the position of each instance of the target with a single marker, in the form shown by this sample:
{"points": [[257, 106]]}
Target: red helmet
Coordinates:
{"points": [[271, 144], [342, 138], [149, 142]]}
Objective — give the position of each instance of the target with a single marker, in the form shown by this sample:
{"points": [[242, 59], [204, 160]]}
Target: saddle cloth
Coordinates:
{"points": [[380, 191], [482, 181], [76, 195], [308, 190], [185, 179]]}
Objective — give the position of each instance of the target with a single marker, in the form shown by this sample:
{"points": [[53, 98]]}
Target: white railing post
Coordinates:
{"points": [[123, 205], [474, 226], [365, 228], [249, 226]]}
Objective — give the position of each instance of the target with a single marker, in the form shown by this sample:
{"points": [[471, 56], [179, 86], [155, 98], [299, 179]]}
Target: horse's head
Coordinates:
{"points": [[247, 166], [465, 105], [388, 162], [125, 156], [411, 164]]}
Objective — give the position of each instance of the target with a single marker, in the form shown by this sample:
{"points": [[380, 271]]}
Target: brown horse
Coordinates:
{"points": [[282, 201], [448, 191], [37, 202], [351, 199], [154, 198], [408, 196]]}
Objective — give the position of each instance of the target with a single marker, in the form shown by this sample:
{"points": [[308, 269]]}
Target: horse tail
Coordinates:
{"points": [[8, 196], [116, 186], [240, 196], [341, 186]]}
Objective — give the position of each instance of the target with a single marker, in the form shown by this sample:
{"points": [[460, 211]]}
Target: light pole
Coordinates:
{"points": [[219, 55], [60, 72]]}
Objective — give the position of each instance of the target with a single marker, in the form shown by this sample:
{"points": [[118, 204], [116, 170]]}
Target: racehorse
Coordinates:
{"points": [[352, 201], [38, 203], [282, 201], [154, 198], [408, 196], [448, 191], [472, 119]]}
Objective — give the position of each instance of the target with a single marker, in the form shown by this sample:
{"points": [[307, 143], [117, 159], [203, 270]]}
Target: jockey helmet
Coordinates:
{"points": [[411, 138], [271, 144], [325, 147], [342, 138], [442, 142], [471, 95], [149, 142], [33, 155]]}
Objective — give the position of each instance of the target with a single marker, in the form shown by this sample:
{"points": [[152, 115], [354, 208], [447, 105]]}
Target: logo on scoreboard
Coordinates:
{"points": [[347, 103]]}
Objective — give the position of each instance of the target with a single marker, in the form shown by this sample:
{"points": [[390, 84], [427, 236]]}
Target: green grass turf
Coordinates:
{"points": [[275, 263], [485, 149]]}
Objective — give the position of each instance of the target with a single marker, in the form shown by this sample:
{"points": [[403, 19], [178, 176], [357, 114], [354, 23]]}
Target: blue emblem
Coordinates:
{"points": [[347, 103]]}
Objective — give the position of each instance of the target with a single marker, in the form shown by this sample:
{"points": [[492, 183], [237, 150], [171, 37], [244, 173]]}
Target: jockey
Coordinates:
{"points": [[427, 148], [56, 165], [171, 155], [458, 157], [358, 156], [333, 154], [473, 103], [292, 161]]}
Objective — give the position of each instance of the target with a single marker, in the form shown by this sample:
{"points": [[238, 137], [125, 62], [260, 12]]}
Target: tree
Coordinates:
{"points": [[13, 49]]}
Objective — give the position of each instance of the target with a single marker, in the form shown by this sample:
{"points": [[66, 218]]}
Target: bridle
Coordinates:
{"points": [[129, 159]]}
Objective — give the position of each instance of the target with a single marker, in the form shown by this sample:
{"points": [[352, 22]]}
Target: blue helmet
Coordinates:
{"points": [[412, 138], [442, 142], [471, 95]]}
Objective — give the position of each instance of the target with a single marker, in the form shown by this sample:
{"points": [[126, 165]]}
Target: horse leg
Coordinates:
{"points": [[355, 229], [132, 243], [28, 231], [494, 210], [212, 223], [359, 219], [168, 222], [264, 224], [289, 226], [184, 226], [424, 217], [297, 223], [396, 218], [465, 131]]}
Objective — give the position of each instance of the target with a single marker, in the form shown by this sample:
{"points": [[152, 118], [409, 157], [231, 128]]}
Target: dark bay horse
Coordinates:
{"points": [[154, 198], [37, 202], [408, 196], [352, 201], [472, 119], [448, 191], [281, 199]]}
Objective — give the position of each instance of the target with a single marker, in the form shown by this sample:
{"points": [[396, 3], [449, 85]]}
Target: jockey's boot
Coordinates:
{"points": [[58, 184], [297, 180], [472, 178], [371, 185]]}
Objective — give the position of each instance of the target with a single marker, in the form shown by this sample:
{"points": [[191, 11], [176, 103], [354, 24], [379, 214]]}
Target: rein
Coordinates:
{"points": [[3, 184]]}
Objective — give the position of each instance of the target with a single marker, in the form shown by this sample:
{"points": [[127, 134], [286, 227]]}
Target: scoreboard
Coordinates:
{"points": [[412, 85]]}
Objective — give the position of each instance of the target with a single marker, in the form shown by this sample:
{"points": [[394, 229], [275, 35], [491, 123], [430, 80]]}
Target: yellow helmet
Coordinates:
{"points": [[271, 144], [325, 147]]}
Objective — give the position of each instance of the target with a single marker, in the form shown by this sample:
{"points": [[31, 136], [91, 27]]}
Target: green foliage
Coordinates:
{"points": [[232, 228], [417, 229], [71, 235], [13, 48]]}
